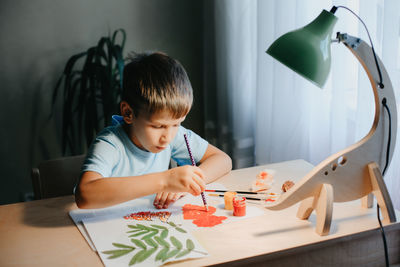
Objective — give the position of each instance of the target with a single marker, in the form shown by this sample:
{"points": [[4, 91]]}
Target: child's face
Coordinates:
{"points": [[154, 133]]}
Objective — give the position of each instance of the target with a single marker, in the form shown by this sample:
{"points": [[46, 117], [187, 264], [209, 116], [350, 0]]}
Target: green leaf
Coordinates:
{"points": [[141, 256], [138, 243], [148, 253], [171, 254], [159, 227], [134, 231], [154, 230], [136, 257], [164, 234], [139, 233], [176, 242], [149, 235], [140, 226], [161, 241], [162, 254], [172, 224], [133, 226], [151, 242], [118, 245], [117, 253], [182, 253], [189, 244], [109, 251], [180, 230]]}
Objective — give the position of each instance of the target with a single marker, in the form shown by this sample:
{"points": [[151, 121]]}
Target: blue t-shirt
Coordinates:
{"points": [[113, 154]]}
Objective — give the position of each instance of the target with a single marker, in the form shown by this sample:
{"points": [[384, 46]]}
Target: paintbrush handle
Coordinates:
{"points": [[240, 192], [249, 198], [194, 164]]}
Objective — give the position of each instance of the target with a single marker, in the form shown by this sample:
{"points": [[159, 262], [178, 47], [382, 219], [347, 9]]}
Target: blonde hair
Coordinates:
{"points": [[154, 82]]}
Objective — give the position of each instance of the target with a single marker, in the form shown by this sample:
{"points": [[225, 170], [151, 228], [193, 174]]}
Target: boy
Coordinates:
{"points": [[131, 159]]}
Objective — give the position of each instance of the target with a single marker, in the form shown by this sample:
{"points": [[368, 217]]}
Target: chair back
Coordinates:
{"points": [[57, 177]]}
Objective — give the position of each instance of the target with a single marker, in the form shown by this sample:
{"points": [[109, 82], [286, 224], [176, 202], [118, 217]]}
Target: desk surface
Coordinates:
{"points": [[41, 233]]}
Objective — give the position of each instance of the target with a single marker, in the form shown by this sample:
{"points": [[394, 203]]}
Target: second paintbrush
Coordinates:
{"points": [[248, 198]]}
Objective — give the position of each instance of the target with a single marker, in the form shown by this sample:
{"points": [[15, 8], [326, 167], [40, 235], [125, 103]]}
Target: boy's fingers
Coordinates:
{"points": [[162, 201], [170, 199], [196, 190], [199, 172], [157, 199], [200, 182]]}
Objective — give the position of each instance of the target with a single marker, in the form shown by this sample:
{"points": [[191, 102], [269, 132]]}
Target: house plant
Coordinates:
{"points": [[90, 87]]}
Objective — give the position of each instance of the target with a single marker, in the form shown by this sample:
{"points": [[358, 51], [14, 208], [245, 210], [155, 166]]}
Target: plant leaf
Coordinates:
{"points": [[138, 243], [141, 256], [118, 245], [134, 231], [176, 242], [147, 254], [171, 254], [159, 226], [182, 253], [189, 244], [139, 233], [180, 230], [164, 234], [172, 224], [136, 257], [161, 255], [151, 242], [154, 230], [149, 235], [117, 253], [140, 226], [162, 242]]}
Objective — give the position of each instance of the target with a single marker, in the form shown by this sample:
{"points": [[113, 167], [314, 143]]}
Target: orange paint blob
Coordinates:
{"points": [[191, 212], [200, 216], [262, 175]]}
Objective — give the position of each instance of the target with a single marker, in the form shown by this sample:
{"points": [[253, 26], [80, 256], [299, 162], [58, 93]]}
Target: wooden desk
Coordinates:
{"points": [[40, 233]]}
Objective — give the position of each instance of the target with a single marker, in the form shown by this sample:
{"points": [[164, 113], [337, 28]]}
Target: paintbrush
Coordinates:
{"points": [[249, 198], [269, 199], [240, 192], [194, 164]]}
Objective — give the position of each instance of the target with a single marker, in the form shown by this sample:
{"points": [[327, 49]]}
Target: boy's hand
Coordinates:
{"points": [[164, 199], [185, 179]]}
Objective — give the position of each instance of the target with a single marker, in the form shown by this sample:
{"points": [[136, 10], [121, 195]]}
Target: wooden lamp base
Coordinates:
{"points": [[322, 202]]}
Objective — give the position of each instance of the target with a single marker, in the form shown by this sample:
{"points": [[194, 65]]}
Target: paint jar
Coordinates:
{"points": [[228, 198], [239, 206]]}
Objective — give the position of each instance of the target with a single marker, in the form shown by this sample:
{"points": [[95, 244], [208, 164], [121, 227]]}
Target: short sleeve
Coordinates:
{"points": [[179, 151], [102, 155]]}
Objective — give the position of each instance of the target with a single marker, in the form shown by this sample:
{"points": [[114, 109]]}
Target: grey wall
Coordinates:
{"points": [[37, 37]]}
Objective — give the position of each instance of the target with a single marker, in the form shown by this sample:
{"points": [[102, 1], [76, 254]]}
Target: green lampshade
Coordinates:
{"points": [[307, 50]]}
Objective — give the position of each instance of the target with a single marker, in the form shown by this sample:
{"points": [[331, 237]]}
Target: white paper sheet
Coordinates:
{"points": [[117, 212], [113, 236]]}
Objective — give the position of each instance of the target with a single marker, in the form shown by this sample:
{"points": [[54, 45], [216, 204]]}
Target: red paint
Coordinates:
{"points": [[200, 216], [148, 216], [239, 206], [270, 200]]}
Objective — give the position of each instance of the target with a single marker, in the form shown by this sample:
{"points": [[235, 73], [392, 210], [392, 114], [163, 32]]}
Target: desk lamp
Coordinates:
{"points": [[355, 172]]}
